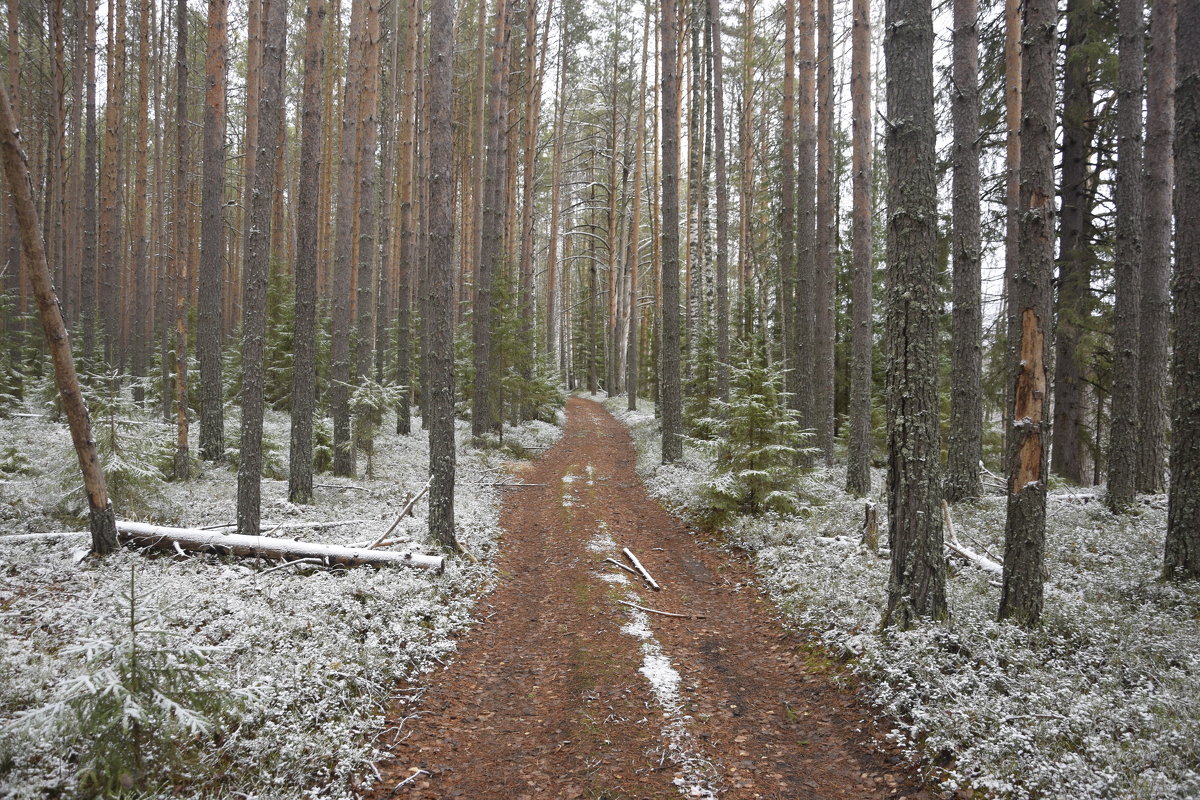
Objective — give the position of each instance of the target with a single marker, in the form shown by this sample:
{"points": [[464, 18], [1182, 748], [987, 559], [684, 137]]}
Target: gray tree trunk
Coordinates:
{"points": [[1073, 304], [210, 324], [1029, 310], [1153, 355], [671, 391], [1124, 430], [1183, 517], [824, 318], [858, 466], [304, 365], [917, 586], [803, 350], [718, 69], [438, 386], [965, 448], [254, 303]]}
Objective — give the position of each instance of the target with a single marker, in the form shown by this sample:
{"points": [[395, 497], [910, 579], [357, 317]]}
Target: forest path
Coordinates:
{"points": [[562, 692]]}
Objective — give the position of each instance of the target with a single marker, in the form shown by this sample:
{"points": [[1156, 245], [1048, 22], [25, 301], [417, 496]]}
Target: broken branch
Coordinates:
{"points": [[638, 566]]}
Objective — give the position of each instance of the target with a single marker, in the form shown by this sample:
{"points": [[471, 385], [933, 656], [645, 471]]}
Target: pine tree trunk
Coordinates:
{"points": [[1183, 518], [1030, 296], [824, 319], [180, 261], [210, 323], [15, 256], [714, 17], [55, 154], [916, 588], [632, 381], [1156, 251], [87, 269], [858, 468], [368, 128], [965, 449], [143, 329], [1124, 430], [787, 206], [438, 386], [304, 365], [254, 322], [1073, 304], [670, 393], [408, 251], [803, 348], [343, 255], [103, 523]]}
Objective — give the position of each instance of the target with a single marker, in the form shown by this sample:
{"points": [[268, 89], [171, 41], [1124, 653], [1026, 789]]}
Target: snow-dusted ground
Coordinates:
{"points": [[1102, 701], [303, 665]]}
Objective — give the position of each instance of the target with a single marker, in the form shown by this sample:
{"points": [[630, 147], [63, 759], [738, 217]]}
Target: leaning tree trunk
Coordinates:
{"points": [[438, 388], [254, 320], [210, 323], [1183, 517], [966, 365], [858, 467], [1124, 430], [16, 169], [672, 409], [917, 587], [304, 365], [1029, 319], [1156, 251]]}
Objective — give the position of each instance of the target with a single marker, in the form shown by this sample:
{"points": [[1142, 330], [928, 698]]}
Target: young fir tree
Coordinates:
{"points": [[758, 439]]}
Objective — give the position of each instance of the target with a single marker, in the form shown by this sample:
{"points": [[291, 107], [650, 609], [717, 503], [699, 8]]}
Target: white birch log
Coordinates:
{"points": [[138, 534], [638, 565]]}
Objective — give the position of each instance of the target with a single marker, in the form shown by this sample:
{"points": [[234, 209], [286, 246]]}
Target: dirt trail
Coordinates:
{"points": [[561, 692]]}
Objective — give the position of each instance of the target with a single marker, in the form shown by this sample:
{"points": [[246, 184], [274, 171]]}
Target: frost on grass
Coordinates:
{"points": [[1102, 701], [300, 668]]}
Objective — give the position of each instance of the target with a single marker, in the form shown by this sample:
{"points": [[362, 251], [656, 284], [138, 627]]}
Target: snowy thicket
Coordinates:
{"points": [[1102, 701], [232, 679]]}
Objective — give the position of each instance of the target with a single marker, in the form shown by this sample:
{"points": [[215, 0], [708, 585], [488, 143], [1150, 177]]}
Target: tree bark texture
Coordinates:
{"points": [[670, 394], [409, 258], [1030, 294], [438, 389], [722, 232], [965, 449], [1183, 516], [1124, 429], [824, 318], [16, 170], [368, 199], [858, 467], [803, 350], [1074, 301], [1153, 358], [210, 323], [180, 261], [916, 588], [304, 364], [111, 174], [254, 321]]}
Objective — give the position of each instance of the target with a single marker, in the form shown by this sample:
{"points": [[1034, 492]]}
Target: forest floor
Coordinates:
{"points": [[561, 691]]}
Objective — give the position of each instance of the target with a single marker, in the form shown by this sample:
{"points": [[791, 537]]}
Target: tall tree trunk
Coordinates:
{"points": [[1029, 309], [554, 337], [304, 365], [55, 152], [87, 270], [103, 523], [787, 207], [254, 325], [210, 323], [1124, 430], [1012, 185], [255, 9], [110, 182], [965, 449], [1156, 249], [718, 68], [824, 319], [180, 258], [1073, 305], [368, 127], [438, 388], [1183, 517], [670, 393], [343, 251], [804, 308], [858, 468], [917, 584], [408, 251], [15, 256], [143, 335], [484, 413], [385, 301]]}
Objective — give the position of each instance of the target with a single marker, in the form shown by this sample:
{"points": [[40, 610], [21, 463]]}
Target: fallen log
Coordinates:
{"points": [[33, 537], [638, 566], [138, 534]]}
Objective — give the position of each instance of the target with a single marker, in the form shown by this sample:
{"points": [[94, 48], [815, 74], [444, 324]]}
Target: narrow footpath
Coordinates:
{"points": [[562, 691]]}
